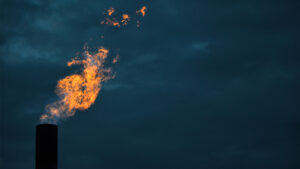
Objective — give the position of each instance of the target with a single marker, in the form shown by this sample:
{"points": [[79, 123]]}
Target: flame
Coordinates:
{"points": [[110, 22], [110, 11], [116, 59], [125, 19], [79, 91], [142, 11]]}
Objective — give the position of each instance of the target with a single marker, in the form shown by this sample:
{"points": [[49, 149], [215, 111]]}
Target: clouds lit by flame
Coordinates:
{"points": [[79, 91]]}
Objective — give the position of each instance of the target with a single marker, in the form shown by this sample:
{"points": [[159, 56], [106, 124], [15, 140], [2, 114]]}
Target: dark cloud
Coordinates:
{"points": [[201, 84]]}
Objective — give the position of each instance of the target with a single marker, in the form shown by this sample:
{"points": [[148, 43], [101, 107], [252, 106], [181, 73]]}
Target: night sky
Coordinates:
{"points": [[208, 84]]}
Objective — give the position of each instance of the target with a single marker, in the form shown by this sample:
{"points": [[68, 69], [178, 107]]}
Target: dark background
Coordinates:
{"points": [[200, 85]]}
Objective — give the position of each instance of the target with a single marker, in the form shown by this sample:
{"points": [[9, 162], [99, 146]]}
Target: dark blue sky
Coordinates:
{"points": [[200, 85]]}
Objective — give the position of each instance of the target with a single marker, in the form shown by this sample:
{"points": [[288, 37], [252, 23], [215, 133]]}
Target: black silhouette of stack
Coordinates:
{"points": [[46, 146]]}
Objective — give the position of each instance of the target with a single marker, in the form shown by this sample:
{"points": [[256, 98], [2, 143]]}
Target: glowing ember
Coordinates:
{"points": [[79, 91]]}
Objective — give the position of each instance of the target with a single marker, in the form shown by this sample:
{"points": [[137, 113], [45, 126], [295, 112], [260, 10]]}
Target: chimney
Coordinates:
{"points": [[46, 146]]}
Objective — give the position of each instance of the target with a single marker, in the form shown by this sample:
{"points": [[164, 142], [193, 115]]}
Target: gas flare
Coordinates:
{"points": [[79, 91]]}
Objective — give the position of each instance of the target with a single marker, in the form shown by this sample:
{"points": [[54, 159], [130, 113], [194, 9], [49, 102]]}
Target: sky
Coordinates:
{"points": [[201, 84]]}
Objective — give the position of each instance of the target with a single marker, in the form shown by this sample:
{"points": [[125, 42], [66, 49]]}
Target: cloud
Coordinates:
{"points": [[116, 86], [19, 50], [50, 23], [200, 46], [215, 81]]}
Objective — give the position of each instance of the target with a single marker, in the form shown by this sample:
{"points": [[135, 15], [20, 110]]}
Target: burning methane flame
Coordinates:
{"points": [[124, 19], [79, 91]]}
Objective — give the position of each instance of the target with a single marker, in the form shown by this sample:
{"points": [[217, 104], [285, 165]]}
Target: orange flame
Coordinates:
{"points": [[116, 59], [142, 11], [110, 11], [125, 19], [110, 22], [79, 91]]}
